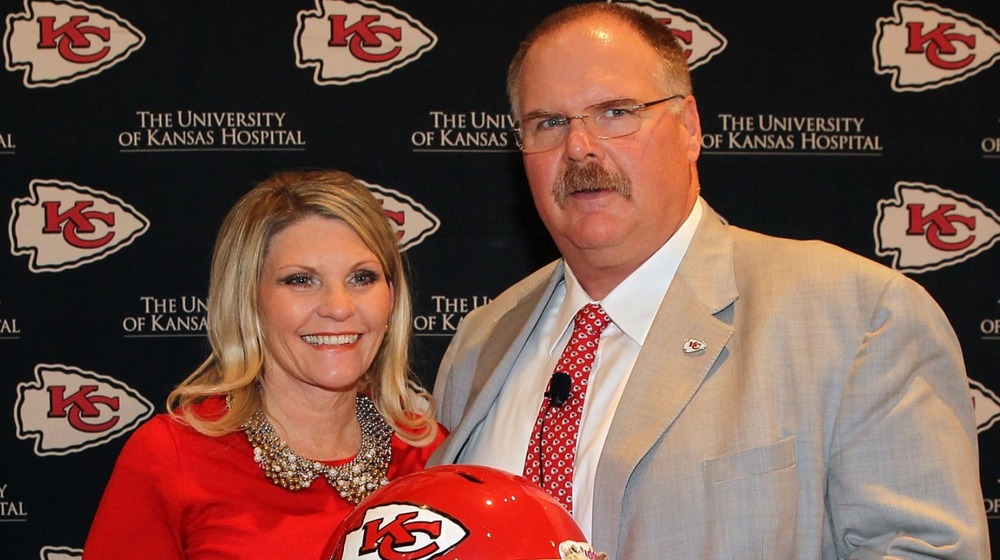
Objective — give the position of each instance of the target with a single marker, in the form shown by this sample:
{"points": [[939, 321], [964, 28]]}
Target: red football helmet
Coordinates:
{"points": [[459, 512]]}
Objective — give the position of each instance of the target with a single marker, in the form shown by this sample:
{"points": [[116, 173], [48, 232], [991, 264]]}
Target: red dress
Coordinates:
{"points": [[179, 494]]}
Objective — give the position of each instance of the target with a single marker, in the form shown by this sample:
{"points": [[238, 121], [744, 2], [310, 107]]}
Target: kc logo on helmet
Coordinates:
{"points": [[68, 409], [700, 41], [60, 41], [348, 42], [926, 46], [412, 221], [402, 532], [927, 227], [63, 225]]}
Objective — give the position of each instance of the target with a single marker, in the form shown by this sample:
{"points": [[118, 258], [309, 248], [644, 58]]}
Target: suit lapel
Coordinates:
{"points": [[500, 351], [666, 377]]}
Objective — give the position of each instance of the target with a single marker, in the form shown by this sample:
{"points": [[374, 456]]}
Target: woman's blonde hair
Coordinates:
{"points": [[235, 366]]}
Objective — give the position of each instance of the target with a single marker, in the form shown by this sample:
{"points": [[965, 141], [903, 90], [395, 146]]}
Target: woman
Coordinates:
{"points": [[309, 325]]}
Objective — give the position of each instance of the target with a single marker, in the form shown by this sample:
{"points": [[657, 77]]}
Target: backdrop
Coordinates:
{"points": [[127, 129]]}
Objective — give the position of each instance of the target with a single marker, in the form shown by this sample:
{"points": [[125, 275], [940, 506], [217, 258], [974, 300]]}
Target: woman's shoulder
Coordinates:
{"points": [[168, 430], [407, 458]]}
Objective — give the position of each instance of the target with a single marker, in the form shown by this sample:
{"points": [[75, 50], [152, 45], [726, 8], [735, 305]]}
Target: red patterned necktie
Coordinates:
{"points": [[552, 450]]}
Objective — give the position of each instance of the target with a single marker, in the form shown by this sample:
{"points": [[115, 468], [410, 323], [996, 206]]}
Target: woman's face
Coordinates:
{"points": [[324, 305]]}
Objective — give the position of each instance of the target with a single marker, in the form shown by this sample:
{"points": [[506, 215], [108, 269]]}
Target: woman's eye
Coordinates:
{"points": [[363, 278], [297, 280]]}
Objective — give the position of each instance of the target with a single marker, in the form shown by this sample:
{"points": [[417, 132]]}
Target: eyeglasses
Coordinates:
{"points": [[541, 133]]}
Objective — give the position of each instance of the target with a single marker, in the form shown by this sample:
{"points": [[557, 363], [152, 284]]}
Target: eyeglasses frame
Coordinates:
{"points": [[519, 141]]}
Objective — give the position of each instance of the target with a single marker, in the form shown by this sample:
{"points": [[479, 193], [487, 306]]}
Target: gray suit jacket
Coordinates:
{"points": [[828, 417]]}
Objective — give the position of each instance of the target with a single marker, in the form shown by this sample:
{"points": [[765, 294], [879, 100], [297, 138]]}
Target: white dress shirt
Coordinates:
{"points": [[502, 440]]}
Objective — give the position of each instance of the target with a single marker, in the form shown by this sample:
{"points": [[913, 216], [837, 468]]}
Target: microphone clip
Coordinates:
{"points": [[559, 388]]}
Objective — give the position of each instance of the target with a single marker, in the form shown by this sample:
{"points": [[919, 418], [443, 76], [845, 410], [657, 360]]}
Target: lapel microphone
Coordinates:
{"points": [[559, 387], [558, 393]]}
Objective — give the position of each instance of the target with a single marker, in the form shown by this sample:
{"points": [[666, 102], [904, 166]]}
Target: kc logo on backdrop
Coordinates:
{"points": [[701, 42], [347, 42], [61, 553], [925, 46], [68, 409], [412, 221], [986, 404], [57, 42], [927, 228], [63, 225]]}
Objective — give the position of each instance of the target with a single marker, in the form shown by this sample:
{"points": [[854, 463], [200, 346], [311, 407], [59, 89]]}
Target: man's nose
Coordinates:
{"points": [[581, 141]]}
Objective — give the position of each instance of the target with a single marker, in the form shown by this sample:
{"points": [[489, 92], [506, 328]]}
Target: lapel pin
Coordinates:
{"points": [[692, 346]]}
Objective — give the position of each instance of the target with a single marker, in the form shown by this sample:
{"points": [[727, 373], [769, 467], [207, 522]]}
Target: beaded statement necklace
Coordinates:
{"points": [[353, 481]]}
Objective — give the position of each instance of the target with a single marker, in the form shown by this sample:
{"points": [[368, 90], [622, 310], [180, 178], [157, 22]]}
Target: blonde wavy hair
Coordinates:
{"points": [[235, 366]]}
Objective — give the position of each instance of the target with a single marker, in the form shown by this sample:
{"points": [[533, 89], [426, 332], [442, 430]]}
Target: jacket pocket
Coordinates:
{"points": [[751, 462], [753, 496]]}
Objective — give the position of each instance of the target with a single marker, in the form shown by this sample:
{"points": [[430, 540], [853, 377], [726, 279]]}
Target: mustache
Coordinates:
{"points": [[590, 177]]}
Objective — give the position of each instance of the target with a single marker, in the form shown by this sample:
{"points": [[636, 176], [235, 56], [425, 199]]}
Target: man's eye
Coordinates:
{"points": [[554, 121], [616, 112]]}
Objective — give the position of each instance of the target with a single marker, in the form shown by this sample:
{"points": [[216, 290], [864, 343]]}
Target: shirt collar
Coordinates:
{"points": [[628, 304]]}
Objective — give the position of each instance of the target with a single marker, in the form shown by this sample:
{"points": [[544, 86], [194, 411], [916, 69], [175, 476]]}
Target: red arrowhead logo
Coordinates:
{"points": [[700, 41], [57, 42], [413, 221], [63, 225], [927, 227], [68, 409], [346, 42], [924, 46]]}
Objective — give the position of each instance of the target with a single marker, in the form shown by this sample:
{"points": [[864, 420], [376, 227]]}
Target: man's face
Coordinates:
{"points": [[593, 62]]}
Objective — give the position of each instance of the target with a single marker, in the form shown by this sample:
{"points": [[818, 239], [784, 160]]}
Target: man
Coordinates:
{"points": [[751, 397]]}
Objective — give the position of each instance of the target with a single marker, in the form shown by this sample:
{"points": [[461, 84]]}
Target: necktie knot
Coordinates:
{"points": [[592, 319]]}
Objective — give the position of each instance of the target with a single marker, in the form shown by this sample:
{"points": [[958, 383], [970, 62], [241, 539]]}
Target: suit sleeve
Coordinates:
{"points": [[444, 369], [903, 477], [449, 399], [140, 509]]}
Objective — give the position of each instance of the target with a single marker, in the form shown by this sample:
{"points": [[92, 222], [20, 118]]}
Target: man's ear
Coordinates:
{"points": [[692, 124]]}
